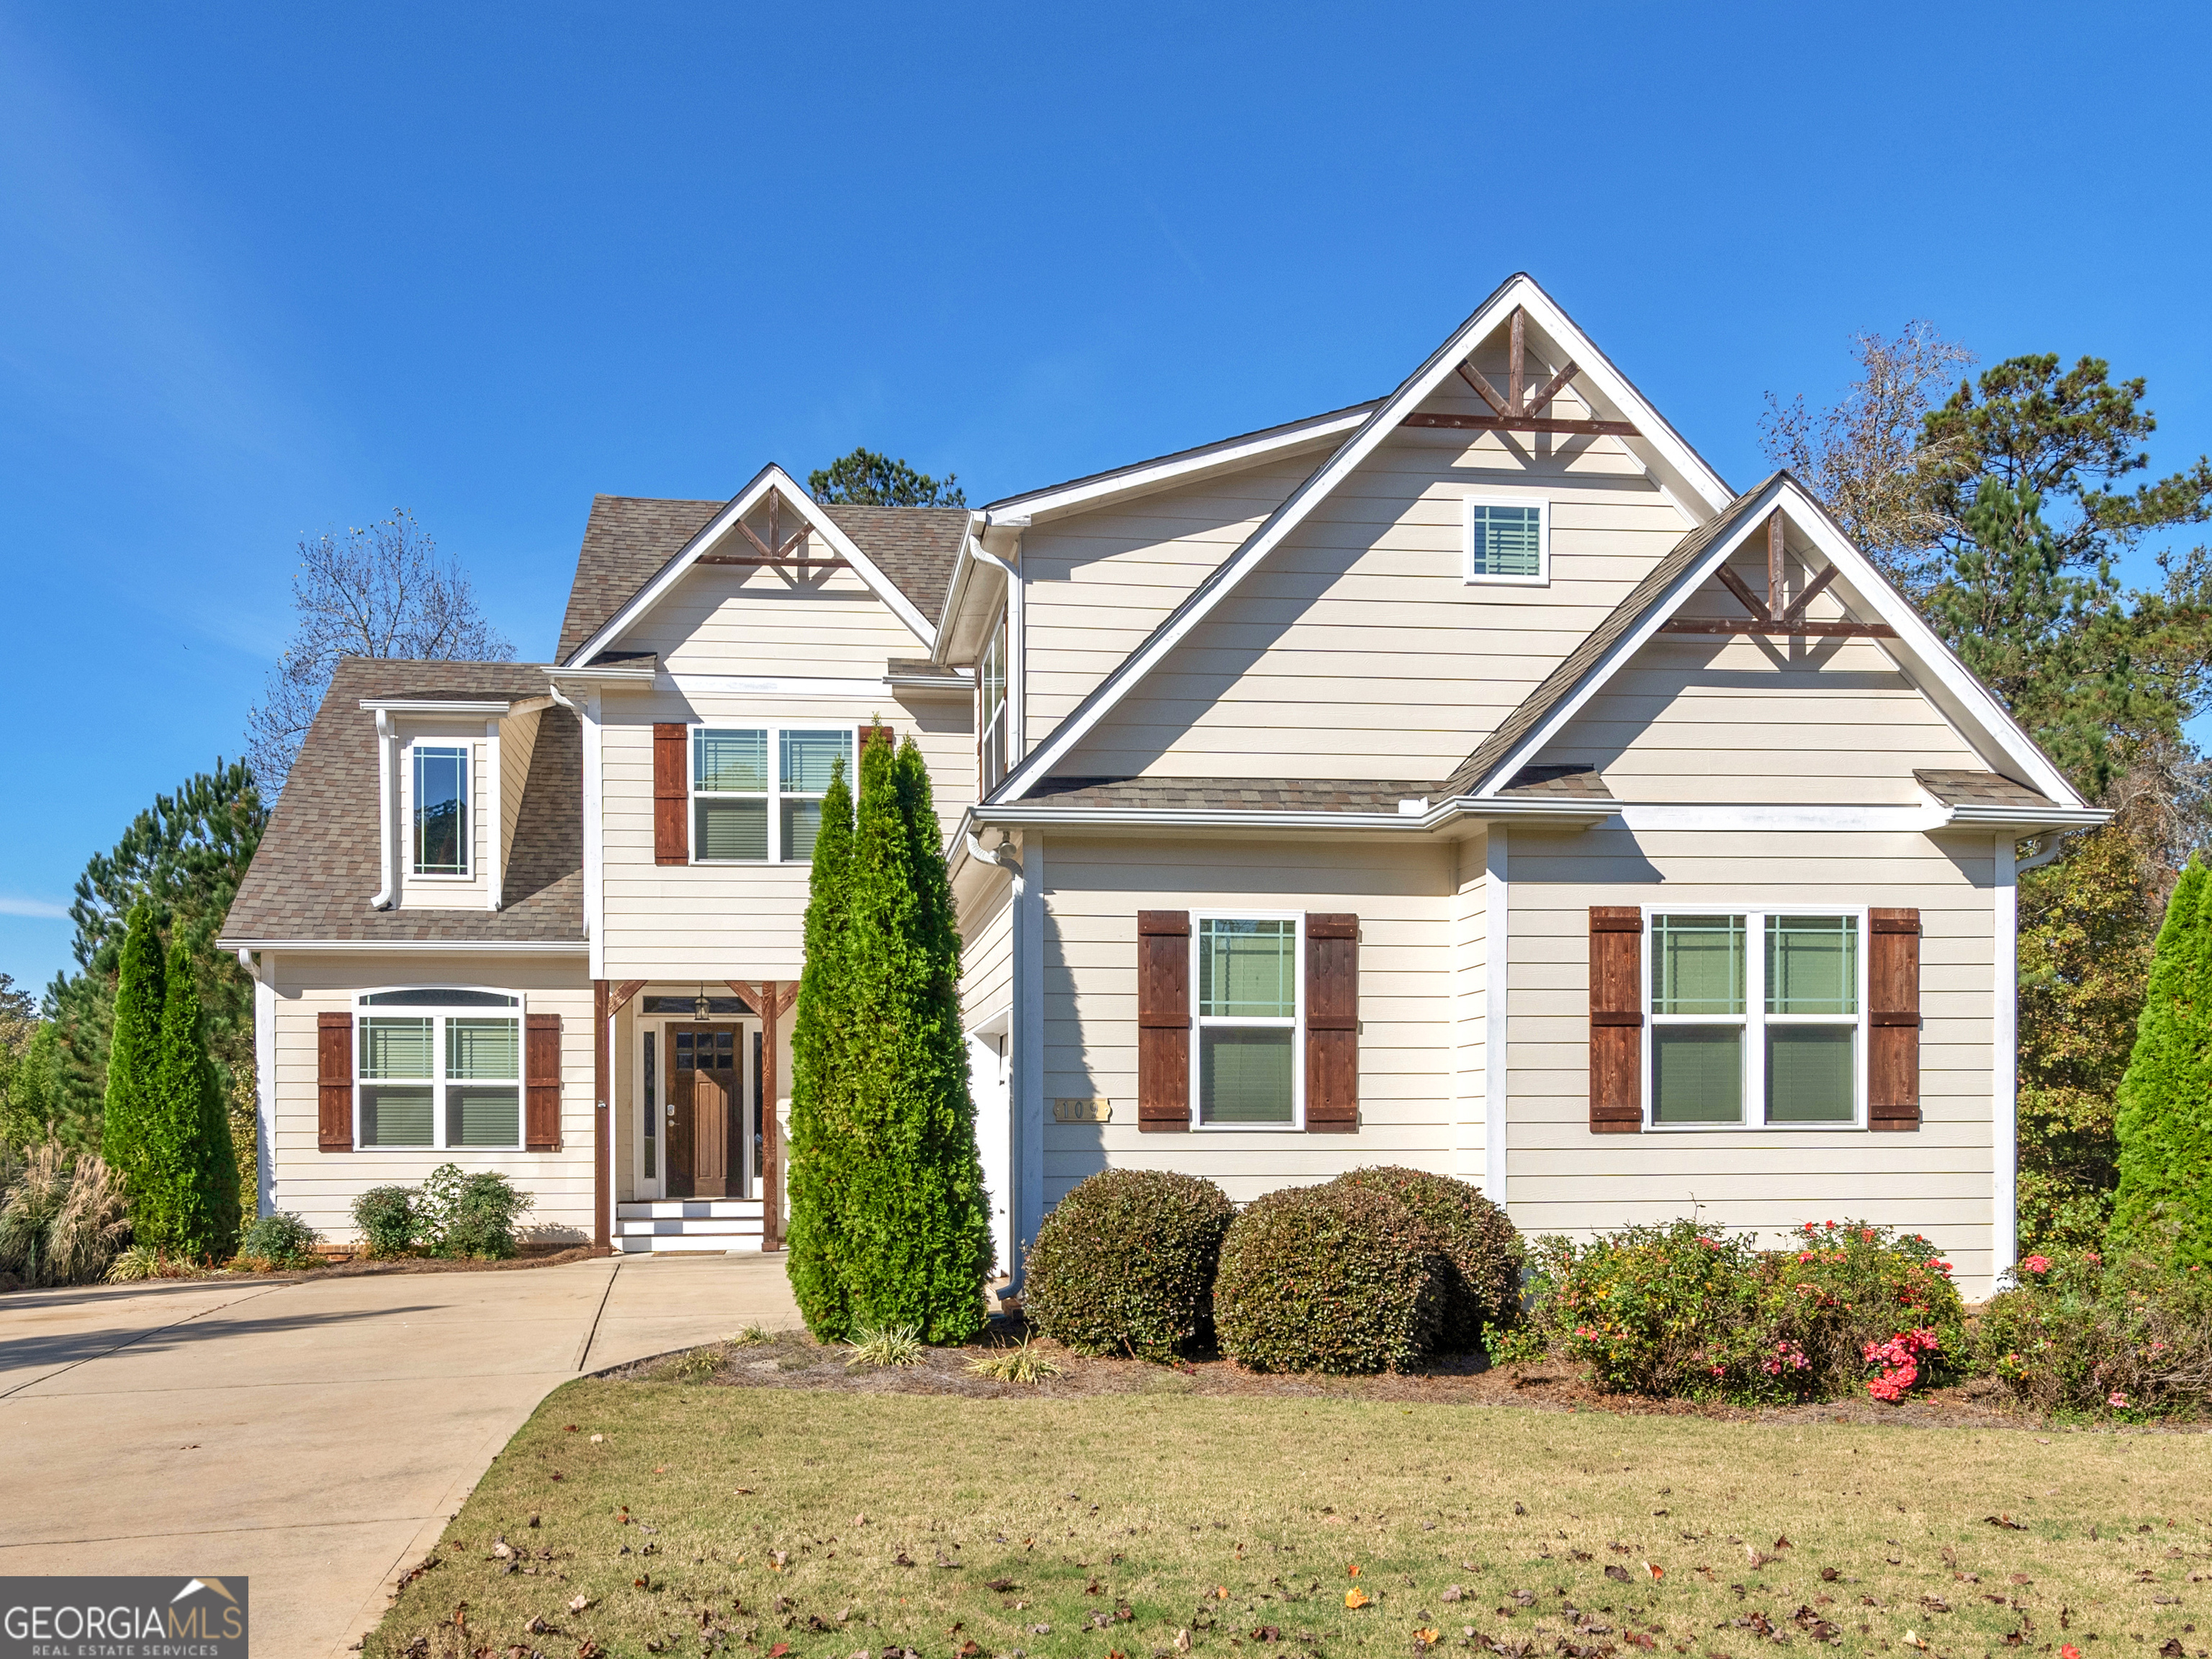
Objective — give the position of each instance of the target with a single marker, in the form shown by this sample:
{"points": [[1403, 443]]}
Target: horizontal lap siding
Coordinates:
{"points": [[987, 955], [1404, 899], [1357, 650], [1561, 1178], [320, 1187], [1097, 583], [720, 620], [716, 921], [1719, 718], [1470, 942]]}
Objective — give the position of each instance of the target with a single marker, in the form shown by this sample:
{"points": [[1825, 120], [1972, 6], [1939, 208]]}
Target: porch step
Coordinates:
{"points": [[693, 1245], [691, 1226], [659, 1209]]}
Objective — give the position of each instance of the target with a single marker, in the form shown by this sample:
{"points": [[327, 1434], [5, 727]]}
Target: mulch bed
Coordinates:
{"points": [[795, 1360]]}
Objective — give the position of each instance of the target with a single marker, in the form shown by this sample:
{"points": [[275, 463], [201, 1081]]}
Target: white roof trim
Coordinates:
{"points": [[1973, 709], [771, 477], [1184, 466], [1660, 445], [379, 947], [440, 706]]}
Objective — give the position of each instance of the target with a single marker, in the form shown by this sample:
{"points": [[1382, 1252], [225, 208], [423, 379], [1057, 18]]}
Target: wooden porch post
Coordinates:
{"points": [[602, 1128], [771, 1150]]}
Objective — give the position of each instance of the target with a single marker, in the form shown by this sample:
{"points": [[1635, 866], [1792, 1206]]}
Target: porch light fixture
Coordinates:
{"points": [[701, 1008]]}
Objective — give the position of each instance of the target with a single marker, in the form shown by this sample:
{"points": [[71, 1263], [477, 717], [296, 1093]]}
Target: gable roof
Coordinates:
{"points": [[318, 865], [629, 540], [1972, 708], [1659, 445]]}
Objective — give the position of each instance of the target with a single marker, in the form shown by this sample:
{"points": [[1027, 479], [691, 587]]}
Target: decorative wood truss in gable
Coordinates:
{"points": [[777, 550], [1515, 409], [1769, 615]]}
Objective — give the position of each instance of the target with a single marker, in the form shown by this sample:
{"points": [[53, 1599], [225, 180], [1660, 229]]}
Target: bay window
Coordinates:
{"points": [[1755, 1018], [1249, 1007], [439, 1070]]}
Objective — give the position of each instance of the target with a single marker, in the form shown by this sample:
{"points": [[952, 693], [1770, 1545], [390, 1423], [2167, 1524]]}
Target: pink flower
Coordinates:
{"points": [[2116, 1398], [1830, 1226], [2091, 1258], [2037, 1264], [1941, 1267]]}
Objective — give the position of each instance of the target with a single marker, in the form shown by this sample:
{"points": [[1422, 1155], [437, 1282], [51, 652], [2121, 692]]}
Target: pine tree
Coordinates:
{"points": [[192, 1168], [821, 1143], [134, 1051], [898, 1228], [2166, 1098]]}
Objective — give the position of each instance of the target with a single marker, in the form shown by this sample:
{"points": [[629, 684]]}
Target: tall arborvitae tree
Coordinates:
{"points": [[192, 1168], [898, 1218], [2166, 1098], [821, 1143], [133, 1055]]}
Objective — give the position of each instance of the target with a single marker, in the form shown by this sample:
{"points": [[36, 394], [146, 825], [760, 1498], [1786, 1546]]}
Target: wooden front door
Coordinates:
{"points": [[705, 1157]]}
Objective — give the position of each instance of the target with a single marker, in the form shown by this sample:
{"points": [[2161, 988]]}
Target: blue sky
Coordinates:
{"points": [[268, 270]]}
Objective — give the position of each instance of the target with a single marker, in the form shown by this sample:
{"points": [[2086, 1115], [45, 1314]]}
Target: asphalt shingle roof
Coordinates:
{"points": [[628, 538], [316, 867], [1957, 787]]}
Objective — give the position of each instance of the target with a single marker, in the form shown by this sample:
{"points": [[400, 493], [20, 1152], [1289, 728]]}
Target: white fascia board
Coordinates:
{"points": [[610, 677], [1518, 291], [2031, 820], [436, 706], [1578, 815], [447, 946], [1186, 467], [975, 564], [1972, 710], [771, 477]]}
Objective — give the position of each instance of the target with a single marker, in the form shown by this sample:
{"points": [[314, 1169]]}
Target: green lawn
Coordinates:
{"points": [[812, 1525]]}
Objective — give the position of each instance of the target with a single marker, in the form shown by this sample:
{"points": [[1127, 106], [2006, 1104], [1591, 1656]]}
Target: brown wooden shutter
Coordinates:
{"points": [[671, 802], [1163, 1019], [1616, 1020], [334, 1083], [1332, 1023], [541, 1071], [1893, 1019], [882, 734]]}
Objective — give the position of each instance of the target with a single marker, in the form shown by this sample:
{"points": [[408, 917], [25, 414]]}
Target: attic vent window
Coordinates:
{"points": [[1508, 542]]}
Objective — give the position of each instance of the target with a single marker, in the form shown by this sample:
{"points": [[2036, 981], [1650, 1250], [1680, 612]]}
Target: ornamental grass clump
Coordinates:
{"points": [[1689, 1312], [1125, 1264], [2084, 1332], [1482, 1249], [63, 1220], [1339, 1279]]}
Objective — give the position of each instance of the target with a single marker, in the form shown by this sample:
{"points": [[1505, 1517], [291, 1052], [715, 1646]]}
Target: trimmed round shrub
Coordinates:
{"points": [[1339, 1279], [1481, 1248], [1125, 1264], [469, 1216], [386, 1217]]}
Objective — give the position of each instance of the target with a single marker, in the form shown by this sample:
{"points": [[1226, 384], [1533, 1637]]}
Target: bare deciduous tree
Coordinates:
{"points": [[1865, 456], [382, 592]]}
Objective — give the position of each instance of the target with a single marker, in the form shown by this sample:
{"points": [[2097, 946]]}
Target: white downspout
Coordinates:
{"points": [[384, 894]]}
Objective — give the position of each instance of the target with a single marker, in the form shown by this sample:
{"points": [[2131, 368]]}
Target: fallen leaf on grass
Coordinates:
{"points": [[1618, 1573], [1353, 1567], [779, 1650], [1221, 1592], [1426, 1636], [1914, 1639], [2005, 1522], [1267, 1633], [1356, 1597], [580, 1603], [1452, 1593], [1002, 1585], [1656, 1571], [1182, 1641]]}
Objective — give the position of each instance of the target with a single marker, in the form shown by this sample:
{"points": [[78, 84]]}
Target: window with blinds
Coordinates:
{"points": [[440, 1080], [757, 792], [1508, 541], [1248, 1008]]}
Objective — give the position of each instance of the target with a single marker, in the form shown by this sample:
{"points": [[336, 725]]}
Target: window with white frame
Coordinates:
{"points": [[1756, 1017], [1249, 1005], [439, 1069], [756, 791], [1508, 540], [441, 809], [991, 717]]}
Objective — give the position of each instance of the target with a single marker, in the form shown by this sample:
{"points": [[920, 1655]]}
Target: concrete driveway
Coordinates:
{"points": [[315, 1436]]}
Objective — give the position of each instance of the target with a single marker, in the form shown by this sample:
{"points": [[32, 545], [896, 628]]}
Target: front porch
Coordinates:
{"points": [[696, 1075]]}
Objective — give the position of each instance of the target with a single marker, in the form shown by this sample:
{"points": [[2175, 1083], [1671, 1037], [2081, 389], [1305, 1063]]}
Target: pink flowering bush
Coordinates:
{"points": [[1689, 1311], [2082, 1332]]}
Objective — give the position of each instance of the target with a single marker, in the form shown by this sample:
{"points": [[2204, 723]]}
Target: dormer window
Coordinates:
{"points": [[442, 809]]}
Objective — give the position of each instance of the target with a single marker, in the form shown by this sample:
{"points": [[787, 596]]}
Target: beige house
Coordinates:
{"points": [[1469, 778]]}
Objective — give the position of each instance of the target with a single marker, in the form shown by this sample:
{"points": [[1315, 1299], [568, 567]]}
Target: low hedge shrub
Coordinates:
{"points": [[1125, 1264], [470, 1216], [1686, 1312], [1341, 1278], [1482, 1249], [2080, 1332], [386, 1216], [280, 1240]]}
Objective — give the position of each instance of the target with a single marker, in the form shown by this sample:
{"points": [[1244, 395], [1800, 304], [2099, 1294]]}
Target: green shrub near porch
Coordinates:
{"points": [[889, 1224]]}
